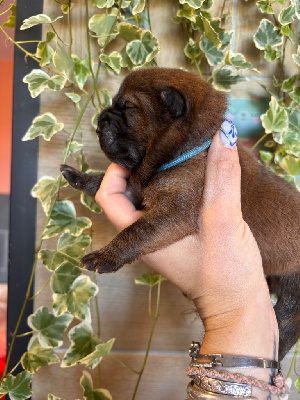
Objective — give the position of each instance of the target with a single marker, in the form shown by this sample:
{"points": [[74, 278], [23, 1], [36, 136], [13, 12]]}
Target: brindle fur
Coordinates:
{"points": [[157, 115]]}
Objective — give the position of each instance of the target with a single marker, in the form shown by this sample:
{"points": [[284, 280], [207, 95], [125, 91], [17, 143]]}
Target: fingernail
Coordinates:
{"points": [[228, 134]]}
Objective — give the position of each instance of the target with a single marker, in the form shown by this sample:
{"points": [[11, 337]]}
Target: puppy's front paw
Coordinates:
{"points": [[102, 261]]}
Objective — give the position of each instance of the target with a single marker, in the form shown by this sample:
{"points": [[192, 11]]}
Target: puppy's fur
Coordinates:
{"points": [[157, 115]]}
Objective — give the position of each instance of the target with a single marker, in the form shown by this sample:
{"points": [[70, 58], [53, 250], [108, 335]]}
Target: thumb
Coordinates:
{"points": [[222, 189]]}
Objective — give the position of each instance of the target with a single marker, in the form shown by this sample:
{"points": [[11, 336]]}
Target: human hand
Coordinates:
{"points": [[219, 267]]}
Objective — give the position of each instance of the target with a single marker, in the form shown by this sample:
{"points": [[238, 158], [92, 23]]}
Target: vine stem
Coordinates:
{"points": [[259, 141], [27, 296], [70, 29], [215, 73], [124, 365], [293, 363], [9, 8], [149, 340], [40, 290]]}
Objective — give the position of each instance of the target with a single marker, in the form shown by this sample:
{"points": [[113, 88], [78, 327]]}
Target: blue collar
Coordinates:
{"points": [[185, 156]]}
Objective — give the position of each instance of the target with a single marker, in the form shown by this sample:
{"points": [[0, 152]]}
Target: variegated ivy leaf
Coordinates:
{"points": [[45, 125], [74, 97], [139, 7], [225, 79], [106, 98], [64, 276], [90, 203], [18, 387], [63, 219], [103, 3], [294, 121], [212, 54], [149, 279], [37, 20], [291, 165], [275, 119], [207, 4], [83, 343], [37, 356], [267, 33], [81, 71], [75, 297], [64, 63], [297, 7], [288, 83], [271, 54], [38, 81], [44, 51], [291, 140], [266, 156], [113, 61], [192, 49], [49, 327], [129, 32], [45, 188], [11, 21], [101, 350], [144, 50], [225, 38], [210, 33], [73, 148], [265, 6], [102, 25], [296, 57], [286, 15], [295, 94], [237, 60], [192, 3], [186, 12], [125, 3], [69, 248], [89, 393], [53, 397]]}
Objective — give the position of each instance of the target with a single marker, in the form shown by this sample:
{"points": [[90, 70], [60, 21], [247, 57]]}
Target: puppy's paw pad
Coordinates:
{"points": [[97, 261]]}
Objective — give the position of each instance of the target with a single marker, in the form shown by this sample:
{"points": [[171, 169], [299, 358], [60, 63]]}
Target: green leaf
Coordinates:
{"points": [[53, 397], [192, 49], [38, 81], [291, 165], [102, 25], [44, 51], [149, 279], [69, 248], [64, 276], [76, 298], [45, 125], [266, 156], [297, 384], [101, 350], [89, 393], [192, 3], [139, 7], [278, 137], [297, 7], [129, 32], [36, 20], [267, 33], [103, 3], [275, 119], [295, 94], [186, 12], [271, 54], [11, 21], [288, 84], [45, 188], [237, 60], [142, 51], [83, 343], [73, 148], [285, 30], [90, 203], [225, 38], [49, 327], [37, 356], [17, 386], [81, 71], [207, 4], [212, 54], [74, 97], [296, 57], [286, 15], [225, 79], [106, 98], [294, 121], [64, 63], [210, 33], [63, 219], [113, 61], [265, 6]]}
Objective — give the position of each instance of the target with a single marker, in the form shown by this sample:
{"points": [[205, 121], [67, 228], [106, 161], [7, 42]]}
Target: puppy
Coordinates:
{"points": [[157, 115]]}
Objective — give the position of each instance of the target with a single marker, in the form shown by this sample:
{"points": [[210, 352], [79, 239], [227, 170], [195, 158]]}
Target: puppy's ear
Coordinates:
{"points": [[174, 101]]}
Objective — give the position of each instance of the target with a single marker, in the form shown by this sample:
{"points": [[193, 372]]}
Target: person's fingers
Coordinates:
{"points": [[222, 189], [112, 198]]}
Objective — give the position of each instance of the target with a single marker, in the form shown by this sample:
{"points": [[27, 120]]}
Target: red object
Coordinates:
{"points": [[2, 365]]}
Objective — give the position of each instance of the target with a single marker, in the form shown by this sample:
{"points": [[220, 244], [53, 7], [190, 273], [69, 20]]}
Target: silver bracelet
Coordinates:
{"points": [[223, 387], [197, 393]]}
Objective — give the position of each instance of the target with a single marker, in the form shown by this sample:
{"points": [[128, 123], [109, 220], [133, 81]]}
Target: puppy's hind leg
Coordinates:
{"points": [[87, 183], [287, 309]]}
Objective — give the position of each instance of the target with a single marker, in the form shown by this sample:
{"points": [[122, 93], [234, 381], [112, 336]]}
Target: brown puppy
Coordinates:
{"points": [[157, 115]]}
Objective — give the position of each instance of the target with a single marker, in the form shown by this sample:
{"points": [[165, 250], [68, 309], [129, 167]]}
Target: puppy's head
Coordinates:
{"points": [[160, 111]]}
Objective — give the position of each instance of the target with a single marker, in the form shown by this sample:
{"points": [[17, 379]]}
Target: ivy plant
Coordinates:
{"points": [[128, 23]]}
